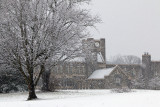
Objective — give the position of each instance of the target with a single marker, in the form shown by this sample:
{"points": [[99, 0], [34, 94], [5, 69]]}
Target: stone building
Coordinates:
{"points": [[113, 77], [83, 72]]}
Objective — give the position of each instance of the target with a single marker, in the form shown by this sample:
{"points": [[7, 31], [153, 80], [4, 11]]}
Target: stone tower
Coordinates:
{"points": [[94, 51], [146, 62], [103, 49]]}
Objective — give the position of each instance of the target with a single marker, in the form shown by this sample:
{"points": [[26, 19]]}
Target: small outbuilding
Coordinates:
{"points": [[108, 78]]}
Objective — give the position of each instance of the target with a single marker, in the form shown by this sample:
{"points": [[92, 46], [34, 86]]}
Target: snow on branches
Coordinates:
{"points": [[35, 34]]}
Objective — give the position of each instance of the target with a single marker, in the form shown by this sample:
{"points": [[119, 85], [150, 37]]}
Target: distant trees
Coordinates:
{"points": [[128, 59], [35, 35]]}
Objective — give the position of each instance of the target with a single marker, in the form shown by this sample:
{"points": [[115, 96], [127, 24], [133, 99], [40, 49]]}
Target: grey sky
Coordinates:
{"points": [[131, 27]]}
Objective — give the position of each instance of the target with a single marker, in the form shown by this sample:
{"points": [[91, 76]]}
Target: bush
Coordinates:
{"points": [[12, 81], [121, 90]]}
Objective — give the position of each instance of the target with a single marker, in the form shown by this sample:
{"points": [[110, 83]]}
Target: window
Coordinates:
{"points": [[134, 73], [68, 69], [118, 80], [69, 83], [156, 73], [71, 69], [57, 69], [78, 69], [61, 68], [83, 69]]}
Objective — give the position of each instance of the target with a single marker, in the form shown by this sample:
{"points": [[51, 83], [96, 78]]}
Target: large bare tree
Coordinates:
{"points": [[35, 34]]}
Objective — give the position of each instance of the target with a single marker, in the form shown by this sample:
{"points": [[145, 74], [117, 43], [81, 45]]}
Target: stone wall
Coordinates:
{"points": [[96, 84], [69, 75]]}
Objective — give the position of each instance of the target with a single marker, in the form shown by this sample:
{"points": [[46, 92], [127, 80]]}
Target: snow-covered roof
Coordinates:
{"points": [[101, 73]]}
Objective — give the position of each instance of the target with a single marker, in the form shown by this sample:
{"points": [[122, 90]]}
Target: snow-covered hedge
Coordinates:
{"points": [[121, 90], [12, 81]]}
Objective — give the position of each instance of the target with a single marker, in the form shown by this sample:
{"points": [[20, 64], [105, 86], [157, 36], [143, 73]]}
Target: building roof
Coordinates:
{"points": [[101, 73]]}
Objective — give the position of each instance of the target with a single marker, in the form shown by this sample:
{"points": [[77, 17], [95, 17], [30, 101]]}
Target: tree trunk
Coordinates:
{"points": [[45, 81], [32, 94]]}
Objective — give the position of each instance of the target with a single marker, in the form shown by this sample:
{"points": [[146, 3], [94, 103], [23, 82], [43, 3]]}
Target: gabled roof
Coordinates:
{"points": [[101, 73]]}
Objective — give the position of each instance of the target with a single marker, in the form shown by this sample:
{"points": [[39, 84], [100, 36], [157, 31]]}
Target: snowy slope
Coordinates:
{"points": [[84, 98]]}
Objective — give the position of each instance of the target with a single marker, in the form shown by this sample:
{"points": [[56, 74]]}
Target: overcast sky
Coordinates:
{"points": [[131, 27]]}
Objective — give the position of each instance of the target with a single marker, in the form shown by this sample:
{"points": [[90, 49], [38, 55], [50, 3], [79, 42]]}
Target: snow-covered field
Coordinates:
{"points": [[84, 98]]}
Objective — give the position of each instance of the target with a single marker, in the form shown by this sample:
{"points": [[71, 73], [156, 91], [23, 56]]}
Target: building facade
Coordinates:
{"points": [[76, 73]]}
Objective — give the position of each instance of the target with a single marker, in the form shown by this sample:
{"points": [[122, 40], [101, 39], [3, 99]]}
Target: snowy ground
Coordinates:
{"points": [[84, 98]]}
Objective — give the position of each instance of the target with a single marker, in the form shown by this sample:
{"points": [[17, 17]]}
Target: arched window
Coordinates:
{"points": [[61, 68], [68, 68]]}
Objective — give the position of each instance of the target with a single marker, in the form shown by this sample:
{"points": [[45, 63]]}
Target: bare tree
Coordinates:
{"points": [[38, 34], [129, 59]]}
